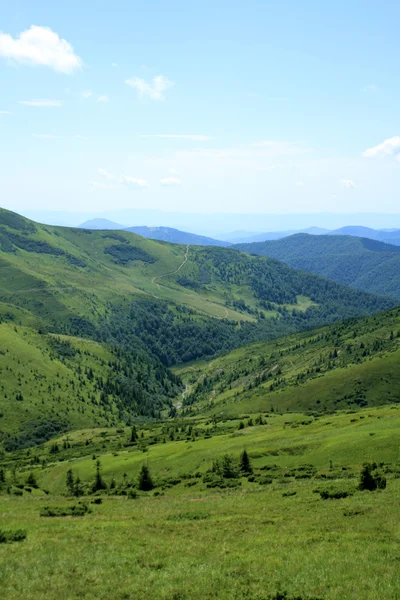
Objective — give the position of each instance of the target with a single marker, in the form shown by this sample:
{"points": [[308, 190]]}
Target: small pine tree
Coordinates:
{"points": [[31, 480], [245, 464], [134, 435], [145, 482], [78, 491], [98, 484], [70, 481]]}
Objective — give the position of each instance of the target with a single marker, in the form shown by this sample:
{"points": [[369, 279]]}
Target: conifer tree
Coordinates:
{"points": [[245, 464], [145, 482]]}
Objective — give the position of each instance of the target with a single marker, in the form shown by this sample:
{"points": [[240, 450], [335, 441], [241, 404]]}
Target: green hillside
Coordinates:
{"points": [[124, 309], [54, 383], [296, 526], [365, 264], [344, 366]]}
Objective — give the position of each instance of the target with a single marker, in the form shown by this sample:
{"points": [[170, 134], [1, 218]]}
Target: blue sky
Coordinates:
{"points": [[259, 107]]}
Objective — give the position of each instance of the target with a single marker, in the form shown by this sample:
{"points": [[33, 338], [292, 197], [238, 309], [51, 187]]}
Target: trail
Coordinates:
{"points": [[154, 280]]}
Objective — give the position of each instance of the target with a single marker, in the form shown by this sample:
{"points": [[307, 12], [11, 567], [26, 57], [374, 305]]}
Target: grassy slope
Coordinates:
{"points": [[52, 388], [344, 365], [73, 274], [197, 542], [361, 263]]}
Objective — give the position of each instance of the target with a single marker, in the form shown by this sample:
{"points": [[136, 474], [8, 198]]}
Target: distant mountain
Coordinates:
{"points": [[175, 236], [100, 224], [249, 238], [390, 236], [362, 263]]}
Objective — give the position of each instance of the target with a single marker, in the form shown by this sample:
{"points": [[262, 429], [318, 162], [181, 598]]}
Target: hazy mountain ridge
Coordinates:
{"points": [[361, 263]]}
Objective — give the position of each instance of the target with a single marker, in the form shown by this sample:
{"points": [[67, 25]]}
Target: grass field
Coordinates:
{"points": [[189, 541]]}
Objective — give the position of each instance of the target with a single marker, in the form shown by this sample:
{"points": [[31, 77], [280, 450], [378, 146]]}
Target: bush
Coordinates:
{"points": [[77, 510], [334, 494], [371, 479], [7, 537]]}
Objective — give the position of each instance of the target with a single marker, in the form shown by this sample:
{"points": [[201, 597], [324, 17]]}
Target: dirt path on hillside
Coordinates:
{"points": [[154, 280]]}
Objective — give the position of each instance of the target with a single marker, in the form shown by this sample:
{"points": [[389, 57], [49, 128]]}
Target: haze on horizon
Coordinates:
{"points": [[269, 108]]}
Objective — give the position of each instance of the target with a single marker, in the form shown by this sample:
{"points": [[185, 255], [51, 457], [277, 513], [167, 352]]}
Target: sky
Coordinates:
{"points": [[264, 107]]}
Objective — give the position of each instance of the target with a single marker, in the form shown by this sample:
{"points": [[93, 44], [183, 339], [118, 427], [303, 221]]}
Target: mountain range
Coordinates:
{"points": [[361, 263], [100, 317]]}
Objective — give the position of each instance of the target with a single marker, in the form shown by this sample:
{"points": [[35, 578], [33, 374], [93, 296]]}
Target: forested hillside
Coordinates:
{"points": [[344, 366], [361, 263], [92, 320]]}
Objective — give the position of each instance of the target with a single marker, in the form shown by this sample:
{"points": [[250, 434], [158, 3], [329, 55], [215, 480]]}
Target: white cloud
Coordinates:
{"points": [[5, 112], [299, 184], [347, 183], [180, 136], [41, 103], [388, 147], [103, 99], [80, 137], [154, 90], [115, 65], [171, 181], [45, 136], [105, 174], [40, 46], [134, 184], [86, 94], [97, 185]]}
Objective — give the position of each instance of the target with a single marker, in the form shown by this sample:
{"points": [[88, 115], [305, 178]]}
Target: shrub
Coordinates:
{"points": [[7, 537], [334, 494], [77, 510], [371, 479]]}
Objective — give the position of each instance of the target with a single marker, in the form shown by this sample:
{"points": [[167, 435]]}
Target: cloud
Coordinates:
{"points": [[171, 181], [388, 147], [40, 46], [86, 94], [154, 90], [299, 184], [41, 103], [103, 99], [347, 183], [45, 136], [180, 136], [5, 112], [97, 185], [105, 174], [134, 184], [115, 65]]}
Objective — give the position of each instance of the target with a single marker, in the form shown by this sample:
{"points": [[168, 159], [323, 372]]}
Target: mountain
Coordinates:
{"points": [[361, 263], [341, 367], [388, 236], [98, 317], [175, 236], [272, 235], [100, 224]]}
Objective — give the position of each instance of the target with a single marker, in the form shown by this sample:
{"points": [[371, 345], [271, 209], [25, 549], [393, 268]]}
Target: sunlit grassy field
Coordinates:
{"points": [[189, 541]]}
